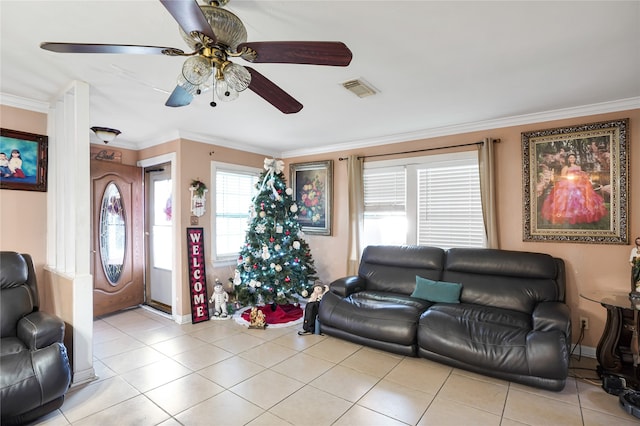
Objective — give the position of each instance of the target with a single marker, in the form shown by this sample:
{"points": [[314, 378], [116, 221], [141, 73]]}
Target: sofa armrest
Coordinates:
{"points": [[552, 316], [347, 285], [40, 329]]}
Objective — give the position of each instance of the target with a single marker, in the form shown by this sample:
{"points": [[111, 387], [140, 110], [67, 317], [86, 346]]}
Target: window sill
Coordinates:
{"points": [[221, 263]]}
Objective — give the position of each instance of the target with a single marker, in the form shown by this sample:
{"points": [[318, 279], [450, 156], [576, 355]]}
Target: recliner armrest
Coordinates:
{"points": [[347, 285], [40, 329], [552, 316]]}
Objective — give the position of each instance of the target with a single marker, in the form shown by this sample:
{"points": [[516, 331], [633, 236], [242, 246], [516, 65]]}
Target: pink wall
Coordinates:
{"points": [[194, 162], [589, 266], [23, 214]]}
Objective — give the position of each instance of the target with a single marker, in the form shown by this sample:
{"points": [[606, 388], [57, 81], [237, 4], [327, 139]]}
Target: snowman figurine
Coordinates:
{"points": [[219, 300]]}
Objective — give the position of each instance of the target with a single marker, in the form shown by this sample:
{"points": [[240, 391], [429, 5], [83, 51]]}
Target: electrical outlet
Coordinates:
{"points": [[584, 323]]}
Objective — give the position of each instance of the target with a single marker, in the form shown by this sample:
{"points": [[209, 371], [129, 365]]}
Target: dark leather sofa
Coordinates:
{"points": [[510, 322], [34, 368]]}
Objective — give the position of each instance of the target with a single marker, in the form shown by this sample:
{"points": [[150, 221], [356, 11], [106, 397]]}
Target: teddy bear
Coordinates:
{"points": [[219, 300]]}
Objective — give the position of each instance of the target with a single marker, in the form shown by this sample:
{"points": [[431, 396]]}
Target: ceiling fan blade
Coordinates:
{"points": [[300, 52], [179, 97], [109, 48], [189, 16], [273, 94]]}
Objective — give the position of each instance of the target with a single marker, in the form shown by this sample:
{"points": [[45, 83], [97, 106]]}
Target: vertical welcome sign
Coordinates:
{"points": [[197, 276]]}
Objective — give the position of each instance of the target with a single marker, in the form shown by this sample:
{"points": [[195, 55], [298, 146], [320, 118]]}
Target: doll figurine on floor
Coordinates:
{"points": [[219, 300], [311, 309], [257, 319]]}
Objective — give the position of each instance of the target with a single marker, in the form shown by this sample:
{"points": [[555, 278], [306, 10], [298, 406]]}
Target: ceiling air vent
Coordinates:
{"points": [[359, 88]]}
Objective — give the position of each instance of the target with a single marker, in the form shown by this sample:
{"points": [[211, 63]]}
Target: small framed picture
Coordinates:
{"points": [[23, 161], [312, 185]]}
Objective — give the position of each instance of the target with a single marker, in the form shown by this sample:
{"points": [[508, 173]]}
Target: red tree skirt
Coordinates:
{"points": [[282, 314]]}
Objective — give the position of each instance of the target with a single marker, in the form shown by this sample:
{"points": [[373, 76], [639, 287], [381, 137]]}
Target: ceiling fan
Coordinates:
{"points": [[216, 35]]}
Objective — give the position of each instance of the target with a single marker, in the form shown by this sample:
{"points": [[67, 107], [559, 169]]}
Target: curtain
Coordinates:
{"points": [[488, 192], [356, 213]]}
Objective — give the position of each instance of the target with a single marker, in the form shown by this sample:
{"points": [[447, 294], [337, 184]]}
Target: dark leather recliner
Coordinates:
{"points": [[34, 367]]}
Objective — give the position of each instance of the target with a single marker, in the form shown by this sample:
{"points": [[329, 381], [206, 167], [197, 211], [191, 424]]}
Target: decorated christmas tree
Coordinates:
{"points": [[275, 263]]}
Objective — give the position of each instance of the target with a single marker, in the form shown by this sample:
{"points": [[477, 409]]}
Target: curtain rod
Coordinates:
{"points": [[418, 150]]}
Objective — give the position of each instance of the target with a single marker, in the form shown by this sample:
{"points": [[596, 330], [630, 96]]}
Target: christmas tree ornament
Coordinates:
{"points": [[265, 253]]}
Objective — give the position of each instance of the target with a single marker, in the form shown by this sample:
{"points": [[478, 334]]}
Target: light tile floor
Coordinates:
{"points": [[152, 371]]}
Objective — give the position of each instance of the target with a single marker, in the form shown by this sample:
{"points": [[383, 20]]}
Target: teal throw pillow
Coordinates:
{"points": [[437, 291]]}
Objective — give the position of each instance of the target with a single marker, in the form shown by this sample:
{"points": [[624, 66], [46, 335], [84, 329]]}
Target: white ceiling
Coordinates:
{"points": [[437, 66]]}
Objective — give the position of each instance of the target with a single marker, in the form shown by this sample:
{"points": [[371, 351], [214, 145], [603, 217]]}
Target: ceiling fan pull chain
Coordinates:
{"points": [[213, 86]]}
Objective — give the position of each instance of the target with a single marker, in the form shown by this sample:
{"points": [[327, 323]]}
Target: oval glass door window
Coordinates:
{"points": [[112, 233]]}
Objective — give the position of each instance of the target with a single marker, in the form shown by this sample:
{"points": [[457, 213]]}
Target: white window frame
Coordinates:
{"points": [[412, 165], [216, 166]]}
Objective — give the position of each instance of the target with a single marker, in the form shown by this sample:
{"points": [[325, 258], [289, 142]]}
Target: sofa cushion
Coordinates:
{"points": [[385, 317], [394, 268], [437, 291], [15, 303], [504, 279], [480, 335]]}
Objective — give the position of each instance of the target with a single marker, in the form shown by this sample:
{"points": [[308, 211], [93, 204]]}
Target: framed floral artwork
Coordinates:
{"points": [[23, 160], [312, 185], [575, 182]]}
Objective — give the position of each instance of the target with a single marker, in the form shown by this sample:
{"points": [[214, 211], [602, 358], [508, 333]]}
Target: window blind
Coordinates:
{"points": [[234, 191], [384, 190], [449, 207]]}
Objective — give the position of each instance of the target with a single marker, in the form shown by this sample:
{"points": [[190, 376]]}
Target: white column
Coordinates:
{"points": [[69, 222]]}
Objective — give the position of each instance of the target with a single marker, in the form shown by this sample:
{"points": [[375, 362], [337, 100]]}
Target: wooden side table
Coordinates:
{"points": [[618, 350]]}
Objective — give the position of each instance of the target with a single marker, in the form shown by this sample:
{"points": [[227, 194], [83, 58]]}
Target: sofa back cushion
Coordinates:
{"points": [[16, 299], [505, 279], [394, 268]]}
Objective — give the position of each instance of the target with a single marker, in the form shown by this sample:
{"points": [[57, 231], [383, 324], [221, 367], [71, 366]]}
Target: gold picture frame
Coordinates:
{"points": [[312, 185], [575, 182]]}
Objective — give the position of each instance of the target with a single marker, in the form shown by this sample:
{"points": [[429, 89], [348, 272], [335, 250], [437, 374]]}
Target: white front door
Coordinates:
{"points": [[160, 242]]}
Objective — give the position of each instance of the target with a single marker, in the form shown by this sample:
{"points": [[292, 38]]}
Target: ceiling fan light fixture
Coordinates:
{"points": [[236, 76], [105, 134], [197, 70], [192, 89], [225, 92]]}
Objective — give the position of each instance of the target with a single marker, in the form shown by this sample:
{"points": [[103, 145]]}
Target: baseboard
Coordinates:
{"points": [[83, 377], [586, 351]]}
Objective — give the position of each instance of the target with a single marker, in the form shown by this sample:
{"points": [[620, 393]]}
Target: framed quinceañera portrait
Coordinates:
{"points": [[312, 185], [576, 186]]}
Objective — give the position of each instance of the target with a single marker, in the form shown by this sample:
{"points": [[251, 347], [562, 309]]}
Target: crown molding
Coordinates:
{"points": [[558, 114], [24, 103], [227, 143]]}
